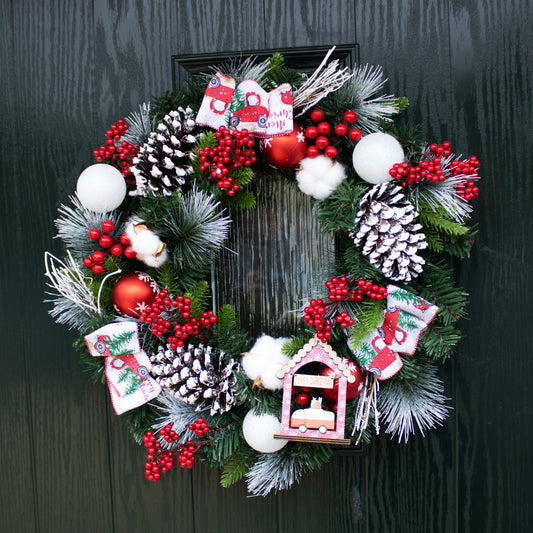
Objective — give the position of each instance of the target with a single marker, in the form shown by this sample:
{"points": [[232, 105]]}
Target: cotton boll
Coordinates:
{"points": [[319, 176], [374, 155], [145, 243], [264, 360], [259, 431], [154, 261]]}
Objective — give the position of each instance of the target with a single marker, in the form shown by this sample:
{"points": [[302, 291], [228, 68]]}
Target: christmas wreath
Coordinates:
{"points": [[150, 216]]}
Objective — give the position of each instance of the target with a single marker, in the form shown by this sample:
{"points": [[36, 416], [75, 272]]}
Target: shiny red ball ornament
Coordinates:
{"points": [[302, 399], [133, 292], [286, 151], [352, 391]]}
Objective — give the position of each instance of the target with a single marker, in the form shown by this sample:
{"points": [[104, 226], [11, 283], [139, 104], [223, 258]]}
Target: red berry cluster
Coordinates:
{"points": [[324, 315], [320, 132], [162, 317], [109, 244], [158, 461], [429, 169], [466, 189], [121, 154], [200, 427], [232, 151], [186, 456]]}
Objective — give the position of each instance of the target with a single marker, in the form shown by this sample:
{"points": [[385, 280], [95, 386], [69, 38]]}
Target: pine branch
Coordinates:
{"points": [[235, 468], [294, 345], [140, 420], [439, 341], [370, 316], [200, 295]]}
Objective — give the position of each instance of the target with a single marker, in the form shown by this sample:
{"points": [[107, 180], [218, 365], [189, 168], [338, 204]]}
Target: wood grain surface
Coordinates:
{"points": [[71, 68]]}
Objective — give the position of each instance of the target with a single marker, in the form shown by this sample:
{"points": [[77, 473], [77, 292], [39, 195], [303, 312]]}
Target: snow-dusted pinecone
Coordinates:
{"points": [[163, 161], [385, 226], [198, 375]]}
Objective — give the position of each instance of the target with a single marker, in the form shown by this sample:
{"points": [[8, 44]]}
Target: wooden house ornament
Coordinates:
{"points": [[314, 424]]}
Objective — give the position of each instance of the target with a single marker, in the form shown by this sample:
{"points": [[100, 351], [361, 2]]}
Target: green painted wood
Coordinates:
{"points": [[69, 70]]}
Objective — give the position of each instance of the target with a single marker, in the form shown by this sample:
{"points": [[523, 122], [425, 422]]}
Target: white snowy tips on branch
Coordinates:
{"points": [[264, 360], [320, 176], [322, 82]]}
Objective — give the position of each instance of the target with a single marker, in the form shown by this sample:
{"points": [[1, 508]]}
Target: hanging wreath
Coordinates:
{"points": [[150, 216]]}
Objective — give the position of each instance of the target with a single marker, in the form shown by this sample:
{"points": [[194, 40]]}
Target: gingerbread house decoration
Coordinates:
{"points": [[314, 424]]}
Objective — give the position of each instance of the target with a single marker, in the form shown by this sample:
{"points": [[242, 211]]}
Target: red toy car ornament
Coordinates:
{"points": [[221, 95], [251, 113]]}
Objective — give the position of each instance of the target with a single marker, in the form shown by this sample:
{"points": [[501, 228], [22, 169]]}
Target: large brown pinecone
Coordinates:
{"points": [[385, 226], [198, 375], [163, 161]]}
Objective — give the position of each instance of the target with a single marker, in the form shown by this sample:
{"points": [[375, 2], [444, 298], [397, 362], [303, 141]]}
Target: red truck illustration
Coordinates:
{"points": [[131, 361], [101, 345], [221, 95], [389, 330], [422, 305], [286, 97], [252, 112], [386, 363]]}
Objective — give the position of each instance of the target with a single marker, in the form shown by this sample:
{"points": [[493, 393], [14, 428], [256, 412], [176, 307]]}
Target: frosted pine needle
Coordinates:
{"points": [[74, 223], [140, 125], [322, 82], [241, 69], [407, 405], [274, 471], [74, 302]]}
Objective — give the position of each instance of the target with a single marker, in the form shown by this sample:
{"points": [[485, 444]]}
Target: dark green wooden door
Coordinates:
{"points": [[69, 69]]}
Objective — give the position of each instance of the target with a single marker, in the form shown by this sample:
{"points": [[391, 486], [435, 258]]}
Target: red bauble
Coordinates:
{"points": [[352, 391], [286, 151], [133, 292]]}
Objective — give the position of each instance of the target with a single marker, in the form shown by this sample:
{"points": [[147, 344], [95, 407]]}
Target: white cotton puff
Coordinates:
{"points": [[153, 261], [259, 431], [264, 360], [145, 243], [319, 176]]}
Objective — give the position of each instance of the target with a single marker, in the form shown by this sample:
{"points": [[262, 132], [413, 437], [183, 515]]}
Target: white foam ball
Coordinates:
{"points": [[374, 155], [259, 431], [101, 188]]}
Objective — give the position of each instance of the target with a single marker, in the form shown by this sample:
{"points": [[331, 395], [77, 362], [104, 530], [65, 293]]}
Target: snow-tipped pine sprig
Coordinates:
{"points": [[74, 302], [442, 195], [322, 82], [241, 69], [74, 224], [406, 405], [273, 472], [140, 125], [360, 95], [197, 228]]}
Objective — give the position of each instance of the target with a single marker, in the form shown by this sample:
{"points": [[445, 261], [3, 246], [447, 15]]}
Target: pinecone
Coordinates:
{"points": [[163, 161], [385, 225], [199, 375]]}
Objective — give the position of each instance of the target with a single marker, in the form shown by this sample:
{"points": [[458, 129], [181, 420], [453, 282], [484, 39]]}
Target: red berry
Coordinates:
{"points": [[129, 252], [341, 129], [94, 234], [105, 241], [98, 269], [350, 117], [98, 257], [322, 142], [331, 152], [355, 134], [116, 250], [312, 152], [124, 239], [317, 115], [108, 226], [311, 132], [88, 262], [302, 399], [323, 128]]}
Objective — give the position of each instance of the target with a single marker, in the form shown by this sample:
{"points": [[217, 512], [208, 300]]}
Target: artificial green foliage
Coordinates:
{"points": [[140, 420], [235, 468], [369, 318]]}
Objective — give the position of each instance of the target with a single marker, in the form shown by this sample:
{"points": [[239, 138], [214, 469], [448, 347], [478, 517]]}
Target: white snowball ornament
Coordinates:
{"points": [[264, 360], [374, 155], [319, 176], [259, 431], [101, 188]]}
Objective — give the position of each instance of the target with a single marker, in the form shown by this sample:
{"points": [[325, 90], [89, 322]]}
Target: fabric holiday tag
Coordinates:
{"points": [[405, 318], [117, 338], [247, 106], [129, 381], [218, 96]]}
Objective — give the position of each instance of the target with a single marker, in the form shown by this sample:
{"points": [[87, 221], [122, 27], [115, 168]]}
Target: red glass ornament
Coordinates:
{"points": [[133, 292], [352, 391], [286, 151]]}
